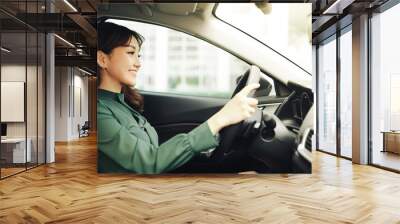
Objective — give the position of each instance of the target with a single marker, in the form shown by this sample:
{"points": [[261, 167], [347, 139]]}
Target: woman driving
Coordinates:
{"points": [[126, 141]]}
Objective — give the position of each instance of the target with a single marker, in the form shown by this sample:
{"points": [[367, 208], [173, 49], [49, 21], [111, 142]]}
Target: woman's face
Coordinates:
{"points": [[123, 62]]}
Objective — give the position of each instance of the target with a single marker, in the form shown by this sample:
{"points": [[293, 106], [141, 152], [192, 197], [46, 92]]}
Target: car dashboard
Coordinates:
{"points": [[295, 107]]}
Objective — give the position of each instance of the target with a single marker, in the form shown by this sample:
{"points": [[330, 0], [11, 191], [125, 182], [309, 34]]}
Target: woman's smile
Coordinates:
{"points": [[133, 72]]}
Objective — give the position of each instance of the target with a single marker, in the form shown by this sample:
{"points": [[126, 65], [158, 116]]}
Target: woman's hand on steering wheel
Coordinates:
{"points": [[239, 108]]}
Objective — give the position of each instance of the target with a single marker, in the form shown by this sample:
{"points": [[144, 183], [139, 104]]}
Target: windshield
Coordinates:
{"points": [[286, 28]]}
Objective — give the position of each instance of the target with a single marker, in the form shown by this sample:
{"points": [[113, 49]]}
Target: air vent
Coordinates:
{"points": [[305, 146], [308, 143]]}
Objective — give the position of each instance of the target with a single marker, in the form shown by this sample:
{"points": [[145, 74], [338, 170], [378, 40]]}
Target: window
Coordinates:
{"points": [[394, 101], [285, 28], [385, 87], [184, 64], [346, 93], [327, 95], [329, 111]]}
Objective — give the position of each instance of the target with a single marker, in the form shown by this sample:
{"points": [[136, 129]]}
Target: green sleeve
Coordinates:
{"points": [[120, 144]]}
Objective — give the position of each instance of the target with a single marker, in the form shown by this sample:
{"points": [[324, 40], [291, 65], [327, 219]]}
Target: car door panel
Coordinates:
{"points": [[171, 114]]}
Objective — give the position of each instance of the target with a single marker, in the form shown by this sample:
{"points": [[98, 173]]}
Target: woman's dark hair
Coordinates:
{"points": [[110, 36]]}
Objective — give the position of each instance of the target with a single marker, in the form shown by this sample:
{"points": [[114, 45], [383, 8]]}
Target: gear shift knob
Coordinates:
{"points": [[269, 121]]}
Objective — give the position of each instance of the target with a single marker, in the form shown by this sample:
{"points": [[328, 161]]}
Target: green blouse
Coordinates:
{"points": [[128, 143]]}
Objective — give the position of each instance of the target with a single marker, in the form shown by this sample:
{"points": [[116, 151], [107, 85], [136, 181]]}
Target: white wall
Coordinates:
{"points": [[16, 72], [80, 83], [67, 115], [33, 126], [61, 103]]}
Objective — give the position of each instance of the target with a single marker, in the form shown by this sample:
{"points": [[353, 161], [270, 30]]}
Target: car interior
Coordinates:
{"points": [[276, 139]]}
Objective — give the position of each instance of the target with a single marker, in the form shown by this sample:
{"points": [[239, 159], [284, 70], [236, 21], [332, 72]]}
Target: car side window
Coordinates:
{"points": [[175, 62]]}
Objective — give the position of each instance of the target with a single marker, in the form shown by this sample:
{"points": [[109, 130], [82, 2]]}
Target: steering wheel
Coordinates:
{"points": [[245, 127]]}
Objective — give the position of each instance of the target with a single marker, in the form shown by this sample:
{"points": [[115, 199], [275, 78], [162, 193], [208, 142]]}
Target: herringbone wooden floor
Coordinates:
{"points": [[70, 191]]}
